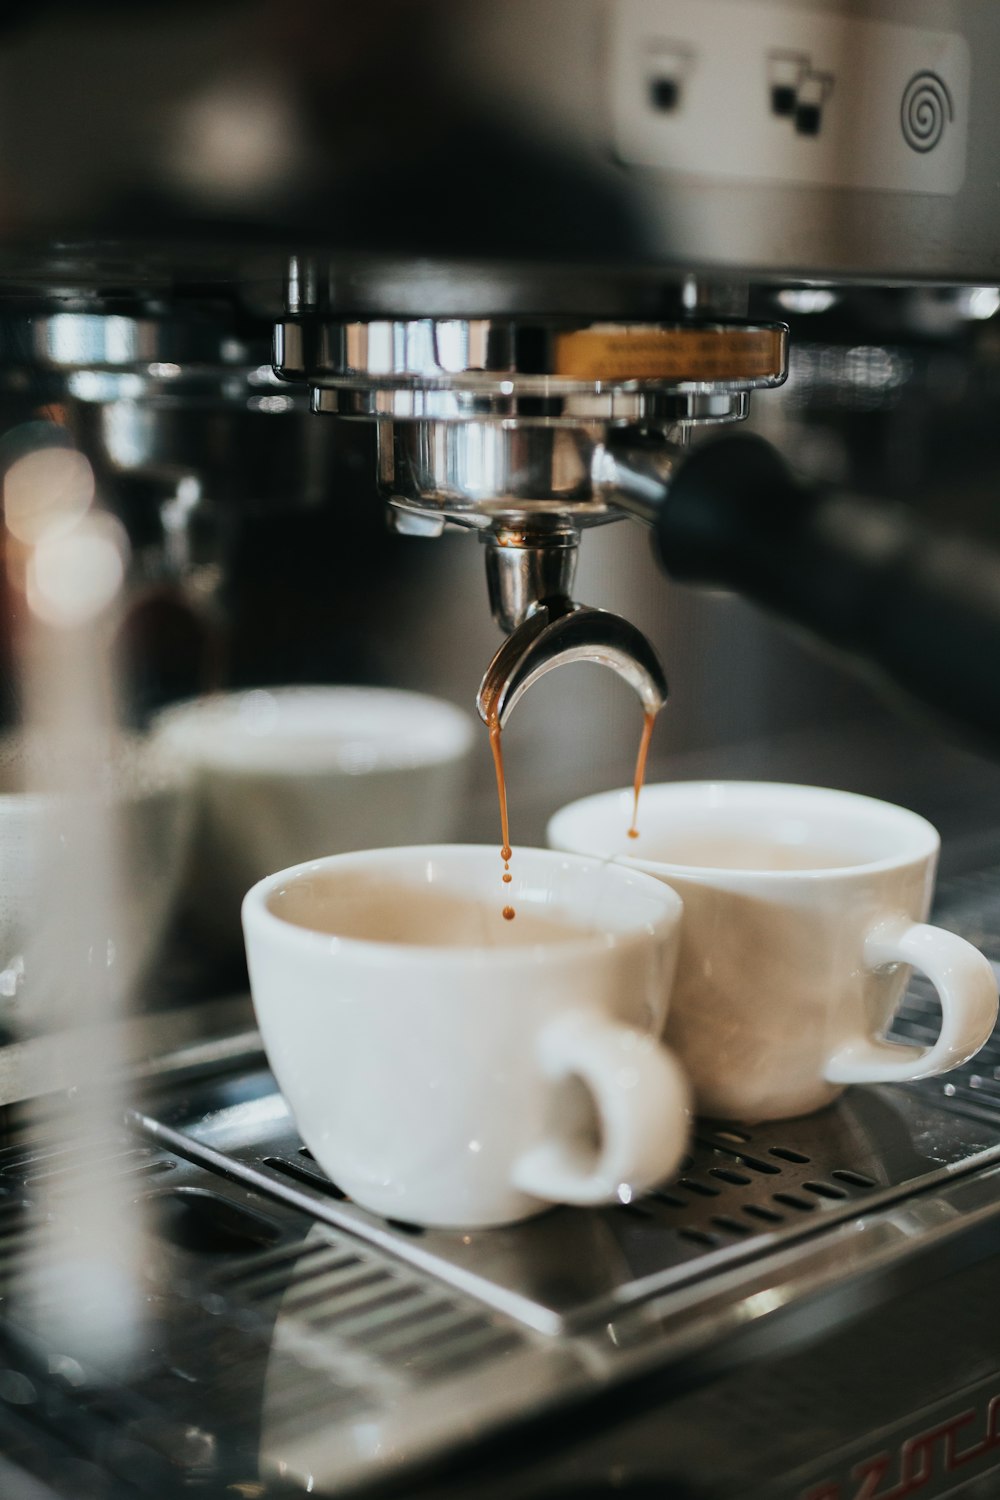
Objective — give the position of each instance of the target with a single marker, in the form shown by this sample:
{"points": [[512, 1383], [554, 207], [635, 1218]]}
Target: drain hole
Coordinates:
{"points": [[733, 1226], [670, 1199], [737, 1178], [699, 1237], [703, 1188], [756, 1165], [791, 1200], [206, 1222], [299, 1173], [856, 1179], [787, 1154], [403, 1226], [304, 1151], [824, 1190], [768, 1215]]}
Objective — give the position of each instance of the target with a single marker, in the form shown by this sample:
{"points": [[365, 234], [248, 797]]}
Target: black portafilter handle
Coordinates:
{"points": [[919, 605]]}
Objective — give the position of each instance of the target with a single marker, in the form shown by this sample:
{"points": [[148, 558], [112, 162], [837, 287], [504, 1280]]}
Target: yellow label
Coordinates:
{"points": [[677, 354]]}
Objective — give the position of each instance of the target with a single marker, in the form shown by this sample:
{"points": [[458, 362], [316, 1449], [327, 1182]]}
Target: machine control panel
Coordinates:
{"points": [[811, 96]]}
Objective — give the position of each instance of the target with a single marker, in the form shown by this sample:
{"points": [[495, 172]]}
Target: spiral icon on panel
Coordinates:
{"points": [[926, 109]]}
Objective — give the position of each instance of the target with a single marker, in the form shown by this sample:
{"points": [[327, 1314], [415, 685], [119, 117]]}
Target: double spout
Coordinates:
{"points": [[530, 578]]}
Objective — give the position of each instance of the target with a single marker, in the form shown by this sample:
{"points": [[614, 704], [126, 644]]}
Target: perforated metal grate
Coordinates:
{"points": [[742, 1192], [290, 1327]]}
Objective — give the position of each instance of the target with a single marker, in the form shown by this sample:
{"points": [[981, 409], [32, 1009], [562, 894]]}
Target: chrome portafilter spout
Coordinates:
{"points": [[530, 576], [527, 566], [560, 631]]}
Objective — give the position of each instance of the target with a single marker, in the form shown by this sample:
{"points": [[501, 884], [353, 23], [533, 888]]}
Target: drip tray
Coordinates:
{"points": [[743, 1193], [295, 1339]]}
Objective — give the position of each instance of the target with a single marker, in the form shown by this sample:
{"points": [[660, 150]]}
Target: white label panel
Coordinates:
{"points": [[769, 91]]}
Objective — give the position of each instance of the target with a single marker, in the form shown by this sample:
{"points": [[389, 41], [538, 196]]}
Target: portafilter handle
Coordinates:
{"points": [[559, 631], [918, 603]]}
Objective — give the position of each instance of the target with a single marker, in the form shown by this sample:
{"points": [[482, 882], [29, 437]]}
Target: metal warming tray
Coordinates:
{"points": [[297, 1342]]}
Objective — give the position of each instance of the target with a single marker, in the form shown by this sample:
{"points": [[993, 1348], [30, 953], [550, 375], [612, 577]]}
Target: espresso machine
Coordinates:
{"points": [[283, 272]]}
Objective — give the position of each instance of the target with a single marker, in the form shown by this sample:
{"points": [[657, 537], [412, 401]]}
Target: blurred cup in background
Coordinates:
{"points": [[141, 796], [286, 774]]}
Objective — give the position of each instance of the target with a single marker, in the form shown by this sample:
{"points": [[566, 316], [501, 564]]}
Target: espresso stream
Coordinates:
{"points": [[649, 719], [494, 726]]}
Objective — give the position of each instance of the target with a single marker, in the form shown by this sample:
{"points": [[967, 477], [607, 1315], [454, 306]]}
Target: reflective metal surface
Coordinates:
{"points": [[487, 473], [486, 419], [743, 1192], [551, 369], [501, 424], [525, 568], [160, 394], [192, 440], [559, 632]]}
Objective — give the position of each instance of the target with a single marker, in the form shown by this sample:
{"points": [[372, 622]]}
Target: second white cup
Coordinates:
{"points": [[804, 910]]}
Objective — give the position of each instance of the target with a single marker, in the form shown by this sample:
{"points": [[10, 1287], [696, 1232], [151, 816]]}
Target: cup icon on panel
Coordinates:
{"points": [[669, 66], [798, 92], [785, 71], [814, 90]]}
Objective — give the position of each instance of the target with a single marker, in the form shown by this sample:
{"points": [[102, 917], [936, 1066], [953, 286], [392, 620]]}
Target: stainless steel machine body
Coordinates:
{"points": [[645, 134], [545, 249]]}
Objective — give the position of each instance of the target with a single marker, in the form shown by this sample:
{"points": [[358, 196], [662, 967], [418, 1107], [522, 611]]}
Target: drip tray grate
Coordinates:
{"points": [[742, 1192], [745, 1194], [293, 1334]]}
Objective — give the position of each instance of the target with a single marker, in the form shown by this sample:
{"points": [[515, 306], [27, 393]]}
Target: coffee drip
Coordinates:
{"points": [[648, 720], [554, 631], [496, 745]]}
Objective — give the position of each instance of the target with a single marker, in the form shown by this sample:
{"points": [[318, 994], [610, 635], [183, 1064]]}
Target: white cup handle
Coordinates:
{"points": [[642, 1106], [967, 989]]}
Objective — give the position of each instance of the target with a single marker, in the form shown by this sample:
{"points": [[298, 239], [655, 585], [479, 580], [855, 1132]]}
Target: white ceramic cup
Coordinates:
{"points": [[448, 1067], [287, 774], [803, 913], [144, 798]]}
